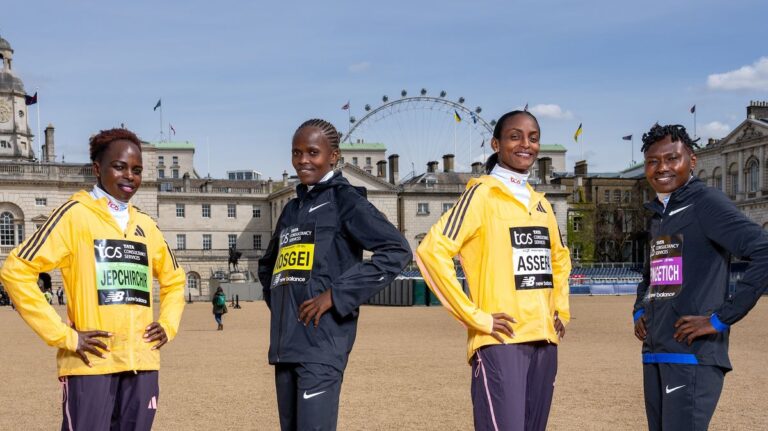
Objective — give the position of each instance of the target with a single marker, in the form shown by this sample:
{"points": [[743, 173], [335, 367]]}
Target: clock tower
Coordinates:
{"points": [[15, 135]]}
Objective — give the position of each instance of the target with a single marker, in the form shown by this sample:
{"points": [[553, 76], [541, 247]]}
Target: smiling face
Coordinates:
{"points": [[119, 169], [668, 165], [518, 143], [312, 155]]}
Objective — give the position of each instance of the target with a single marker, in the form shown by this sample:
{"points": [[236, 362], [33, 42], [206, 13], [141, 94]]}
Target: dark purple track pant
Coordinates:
{"points": [[512, 386], [116, 402]]}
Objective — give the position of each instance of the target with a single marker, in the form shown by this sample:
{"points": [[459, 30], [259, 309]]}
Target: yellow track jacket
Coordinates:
{"points": [[107, 280], [513, 258]]}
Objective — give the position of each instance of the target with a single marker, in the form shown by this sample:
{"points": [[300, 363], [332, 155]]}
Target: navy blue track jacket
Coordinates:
{"points": [[691, 244], [318, 245]]}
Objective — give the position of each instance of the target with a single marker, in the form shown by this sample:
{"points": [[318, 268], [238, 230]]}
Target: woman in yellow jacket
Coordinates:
{"points": [[108, 253], [517, 268]]}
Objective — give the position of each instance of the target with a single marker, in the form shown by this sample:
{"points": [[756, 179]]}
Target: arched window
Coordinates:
{"points": [[717, 179], [7, 229], [702, 176], [753, 176], [193, 280], [733, 180]]}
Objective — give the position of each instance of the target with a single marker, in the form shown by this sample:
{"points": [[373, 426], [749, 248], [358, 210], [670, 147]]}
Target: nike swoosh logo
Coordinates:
{"points": [[669, 391], [678, 210], [308, 396], [314, 208]]}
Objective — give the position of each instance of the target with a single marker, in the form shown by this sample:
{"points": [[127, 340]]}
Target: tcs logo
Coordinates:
{"points": [[109, 252], [523, 238]]}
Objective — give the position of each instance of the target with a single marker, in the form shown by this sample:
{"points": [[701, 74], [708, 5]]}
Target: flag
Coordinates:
{"points": [[627, 138], [474, 117], [346, 106], [30, 100], [693, 109], [483, 144], [158, 104], [577, 134], [526, 107], [456, 116], [172, 129]]}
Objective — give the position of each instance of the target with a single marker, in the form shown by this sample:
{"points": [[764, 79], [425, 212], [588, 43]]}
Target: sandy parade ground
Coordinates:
{"points": [[407, 372]]}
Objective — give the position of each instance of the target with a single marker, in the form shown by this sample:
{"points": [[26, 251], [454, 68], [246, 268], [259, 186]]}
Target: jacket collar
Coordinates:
{"points": [[302, 191], [681, 196], [496, 184]]}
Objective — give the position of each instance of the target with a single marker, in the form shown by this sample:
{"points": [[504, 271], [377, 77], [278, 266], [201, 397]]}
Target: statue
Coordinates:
{"points": [[234, 256]]}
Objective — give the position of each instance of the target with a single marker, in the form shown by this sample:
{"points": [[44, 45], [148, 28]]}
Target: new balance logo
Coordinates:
{"points": [[139, 232], [540, 208], [528, 281], [152, 403]]}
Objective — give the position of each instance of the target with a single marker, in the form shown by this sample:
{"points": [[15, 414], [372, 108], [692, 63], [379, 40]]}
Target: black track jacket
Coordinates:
{"points": [[318, 245], [691, 242]]}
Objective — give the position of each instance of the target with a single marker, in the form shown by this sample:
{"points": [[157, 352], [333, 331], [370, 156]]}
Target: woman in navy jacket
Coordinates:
{"points": [[315, 279]]}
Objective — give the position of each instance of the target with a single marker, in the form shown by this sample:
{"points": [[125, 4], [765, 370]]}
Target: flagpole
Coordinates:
{"points": [[454, 135], [349, 120], [470, 146], [161, 119], [39, 144], [632, 156], [694, 123]]}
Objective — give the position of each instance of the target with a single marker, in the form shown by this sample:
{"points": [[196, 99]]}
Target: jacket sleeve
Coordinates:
{"points": [[642, 288], [435, 258], [267, 261], [172, 280], [368, 227], [725, 225], [45, 250], [561, 270]]}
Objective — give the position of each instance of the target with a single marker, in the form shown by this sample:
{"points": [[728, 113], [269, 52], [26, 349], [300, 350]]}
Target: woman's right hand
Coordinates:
{"points": [[88, 342], [501, 324]]}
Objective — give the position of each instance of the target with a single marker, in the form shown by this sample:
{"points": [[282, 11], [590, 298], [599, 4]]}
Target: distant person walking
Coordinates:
{"points": [[219, 307]]}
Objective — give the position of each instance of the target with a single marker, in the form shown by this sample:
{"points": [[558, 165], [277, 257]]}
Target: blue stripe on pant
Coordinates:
{"points": [[121, 401], [512, 386]]}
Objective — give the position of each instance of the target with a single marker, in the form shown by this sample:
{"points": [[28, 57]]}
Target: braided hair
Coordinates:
{"points": [[676, 132], [493, 160], [330, 132]]}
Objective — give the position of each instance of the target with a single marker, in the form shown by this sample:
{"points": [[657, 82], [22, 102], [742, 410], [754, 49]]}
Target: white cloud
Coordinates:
{"points": [[714, 129], [550, 111], [754, 77], [360, 67]]}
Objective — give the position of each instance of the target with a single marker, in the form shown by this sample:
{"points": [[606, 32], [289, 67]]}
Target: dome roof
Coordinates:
{"points": [[9, 82], [4, 45]]}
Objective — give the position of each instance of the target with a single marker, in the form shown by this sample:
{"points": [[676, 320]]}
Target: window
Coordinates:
{"points": [[193, 280], [256, 211], [231, 211], [576, 251], [206, 210], [181, 241], [447, 207], [627, 196], [753, 176], [21, 113], [577, 223], [423, 208], [161, 160], [206, 241], [354, 161], [231, 240], [176, 160], [180, 210], [257, 242], [41, 202], [5, 144], [575, 197], [607, 196], [367, 161], [175, 173], [627, 219], [161, 173], [717, 179], [617, 196], [7, 229]]}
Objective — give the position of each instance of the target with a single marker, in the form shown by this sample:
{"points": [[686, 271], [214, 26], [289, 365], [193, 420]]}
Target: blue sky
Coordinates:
{"points": [[240, 76]]}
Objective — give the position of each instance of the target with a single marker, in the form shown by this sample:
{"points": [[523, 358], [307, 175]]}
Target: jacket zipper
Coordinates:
{"points": [[282, 323]]}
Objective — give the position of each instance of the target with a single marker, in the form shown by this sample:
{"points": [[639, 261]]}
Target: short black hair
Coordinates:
{"points": [[100, 142], [676, 132], [493, 159]]}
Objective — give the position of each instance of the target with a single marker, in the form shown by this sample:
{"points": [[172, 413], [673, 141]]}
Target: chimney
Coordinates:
{"points": [[49, 150], [544, 164], [432, 167], [394, 168], [757, 110], [285, 178], [581, 168], [381, 169], [477, 168], [448, 163], [269, 185]]}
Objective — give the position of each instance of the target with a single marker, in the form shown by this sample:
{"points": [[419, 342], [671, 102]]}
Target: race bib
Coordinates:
{"points": [[666, 267], [295, 256], [122, 272], [531, 257]]}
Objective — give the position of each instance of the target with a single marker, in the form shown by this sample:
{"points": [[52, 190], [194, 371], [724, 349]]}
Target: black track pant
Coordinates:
{"points": [[681, 397], [308, 396]]}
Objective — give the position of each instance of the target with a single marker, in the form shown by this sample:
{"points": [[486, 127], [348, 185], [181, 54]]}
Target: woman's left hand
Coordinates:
{"points": [[559, 327], [313, 309], [155, 332]]}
